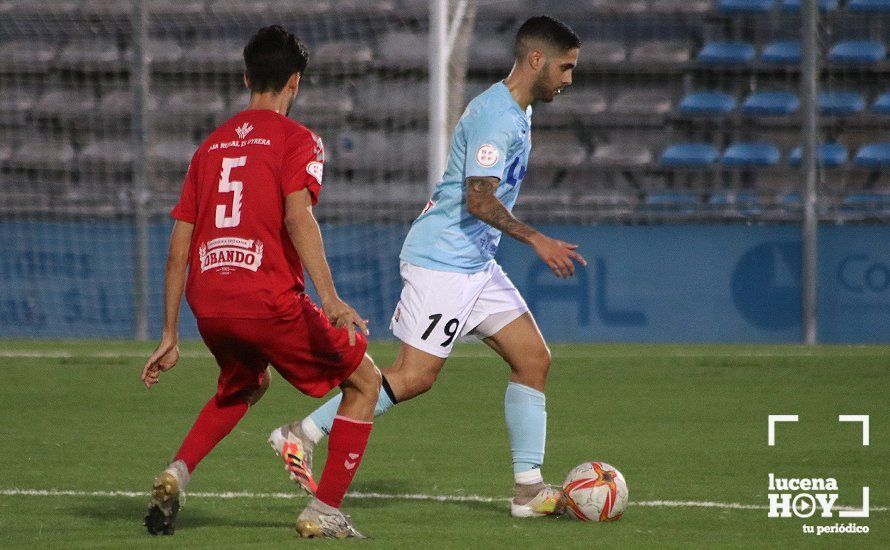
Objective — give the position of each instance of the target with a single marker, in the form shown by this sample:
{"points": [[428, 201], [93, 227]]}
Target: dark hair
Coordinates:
{"points": [[545, 29], [271, 56]]}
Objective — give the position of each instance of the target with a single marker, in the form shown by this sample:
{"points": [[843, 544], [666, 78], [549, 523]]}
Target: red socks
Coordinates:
{"points": [[213, 423], [345, 449]]}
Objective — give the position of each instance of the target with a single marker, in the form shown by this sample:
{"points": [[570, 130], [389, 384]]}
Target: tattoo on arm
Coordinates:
{"points": [[482, 203]]}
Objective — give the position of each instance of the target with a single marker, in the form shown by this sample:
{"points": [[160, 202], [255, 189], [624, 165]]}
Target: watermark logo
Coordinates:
{"points": [[791, 497]]}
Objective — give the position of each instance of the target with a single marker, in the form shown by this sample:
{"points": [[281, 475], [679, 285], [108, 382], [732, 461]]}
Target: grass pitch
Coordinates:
{"points": [[683, 423]]}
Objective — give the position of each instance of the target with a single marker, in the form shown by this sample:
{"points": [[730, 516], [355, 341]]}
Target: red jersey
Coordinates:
{"points": [[242, 263]]}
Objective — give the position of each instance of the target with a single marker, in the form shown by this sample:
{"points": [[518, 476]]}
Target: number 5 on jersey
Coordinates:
{"points": [[226, 185]]}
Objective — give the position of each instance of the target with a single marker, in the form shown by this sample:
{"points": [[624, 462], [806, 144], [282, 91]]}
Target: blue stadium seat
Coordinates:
{"points": [[868, 5], [745, 6], [726, 53], [857, 51], [683, 203], [876, 203], [770, 104], [751, 154], [689, 155], [707, 104], [824, 5], [829, 155], [881, 105], [746, 203], [840, 103], [787, 53], [873, 155]]}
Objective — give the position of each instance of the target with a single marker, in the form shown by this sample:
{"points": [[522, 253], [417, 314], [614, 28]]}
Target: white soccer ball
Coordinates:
{"points": [[595, 491]]}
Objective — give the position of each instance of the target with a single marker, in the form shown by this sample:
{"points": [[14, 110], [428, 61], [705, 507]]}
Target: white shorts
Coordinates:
{"points": [[438, 307]]}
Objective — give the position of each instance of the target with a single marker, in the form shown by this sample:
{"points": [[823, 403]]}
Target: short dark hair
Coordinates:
{"points": [[545, 29], [271, 56]]}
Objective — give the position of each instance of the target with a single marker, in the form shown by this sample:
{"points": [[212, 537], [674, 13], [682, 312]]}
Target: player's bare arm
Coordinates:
{"points": [[482, 203], [304, 232], [166, 354]]}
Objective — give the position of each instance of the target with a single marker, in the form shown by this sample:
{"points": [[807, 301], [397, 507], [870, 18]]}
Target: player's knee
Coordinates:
{"points": [[366, 379], [533, 366], [253, 397]]}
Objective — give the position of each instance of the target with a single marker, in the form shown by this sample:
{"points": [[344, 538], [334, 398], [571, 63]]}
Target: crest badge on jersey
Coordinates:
{"points": [[487, 155], [315, 169], [243, 130]]}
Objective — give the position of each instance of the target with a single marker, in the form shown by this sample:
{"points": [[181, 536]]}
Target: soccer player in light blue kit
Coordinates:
{"points": [[452, 285]]}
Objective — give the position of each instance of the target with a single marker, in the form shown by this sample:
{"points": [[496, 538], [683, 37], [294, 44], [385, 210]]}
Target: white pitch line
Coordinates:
{"points": [[459, 354], [383, 496]]}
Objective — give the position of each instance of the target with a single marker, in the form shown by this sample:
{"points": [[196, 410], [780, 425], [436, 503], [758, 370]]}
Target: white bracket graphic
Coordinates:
{"points": [[862, 513], [773, 418], [857, 418]]}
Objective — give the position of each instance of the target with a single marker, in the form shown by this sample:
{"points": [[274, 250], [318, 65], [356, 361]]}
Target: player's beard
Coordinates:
{"points": [[541, 89]]}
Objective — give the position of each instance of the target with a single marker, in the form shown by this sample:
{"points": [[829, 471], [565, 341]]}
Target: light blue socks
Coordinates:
{"points": [[318, 424], [526, 415]]}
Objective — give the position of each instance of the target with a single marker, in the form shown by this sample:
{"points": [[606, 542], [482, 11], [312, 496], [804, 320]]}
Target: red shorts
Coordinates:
{"points": [[304, 348]]}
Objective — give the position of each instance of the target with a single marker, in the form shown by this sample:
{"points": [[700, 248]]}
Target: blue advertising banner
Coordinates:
{"points": [[642, 284]]}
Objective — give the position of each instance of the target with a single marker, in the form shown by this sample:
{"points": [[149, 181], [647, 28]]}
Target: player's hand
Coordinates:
{"points": [[558, 255], [163, 359], [342, 315]]}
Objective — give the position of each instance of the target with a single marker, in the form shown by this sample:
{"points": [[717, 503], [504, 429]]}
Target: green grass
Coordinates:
{"points": [[681, 422]]}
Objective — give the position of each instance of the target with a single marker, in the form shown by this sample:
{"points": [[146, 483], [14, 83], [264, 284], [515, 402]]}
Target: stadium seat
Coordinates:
{"points": [[345, 54], [648, 103], [840, 103], [660, 51], [175, 9], [172, 153], [90, 56], [15, 104], [824, 5], [868, 6], [491, 52], [119, 104], [106, 154], [103, 8], [604, 53], [726, 53], [323, 105], [751, 154], [398, 100], [62, 9], [587, 8], [65, 104], [574, 103], [404, 50], [857, 52], [732, 7], [689, 155], [781, 53], [681, 203], [213, 55], [193, 103], [21, 56], [872, 203], [829, 155], [881, 105], [873, 155], [681, 6], [164, 55], [707, 104], [236, 11], [621, 154], [557, 149], [44, 154], [747, 204], [770, 104]]}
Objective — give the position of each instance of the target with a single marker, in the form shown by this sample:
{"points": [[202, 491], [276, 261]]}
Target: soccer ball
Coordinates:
{"points": [[595, 491]]}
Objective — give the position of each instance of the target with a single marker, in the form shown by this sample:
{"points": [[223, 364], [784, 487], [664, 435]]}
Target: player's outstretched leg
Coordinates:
{"points": [[521, 345], [412, 373], [349, 437], [218, 417]]}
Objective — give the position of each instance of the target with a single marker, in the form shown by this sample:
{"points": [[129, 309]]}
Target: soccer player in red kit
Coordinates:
{"points": [[244, 229]]}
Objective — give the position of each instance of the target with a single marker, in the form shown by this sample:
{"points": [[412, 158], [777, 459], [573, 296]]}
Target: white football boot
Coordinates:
{"points": [[295, 449], [537, 500], [323, 521]]}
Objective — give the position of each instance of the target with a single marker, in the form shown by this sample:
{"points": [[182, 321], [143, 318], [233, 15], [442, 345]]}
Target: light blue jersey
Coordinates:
{"points": [[493, 138]]}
